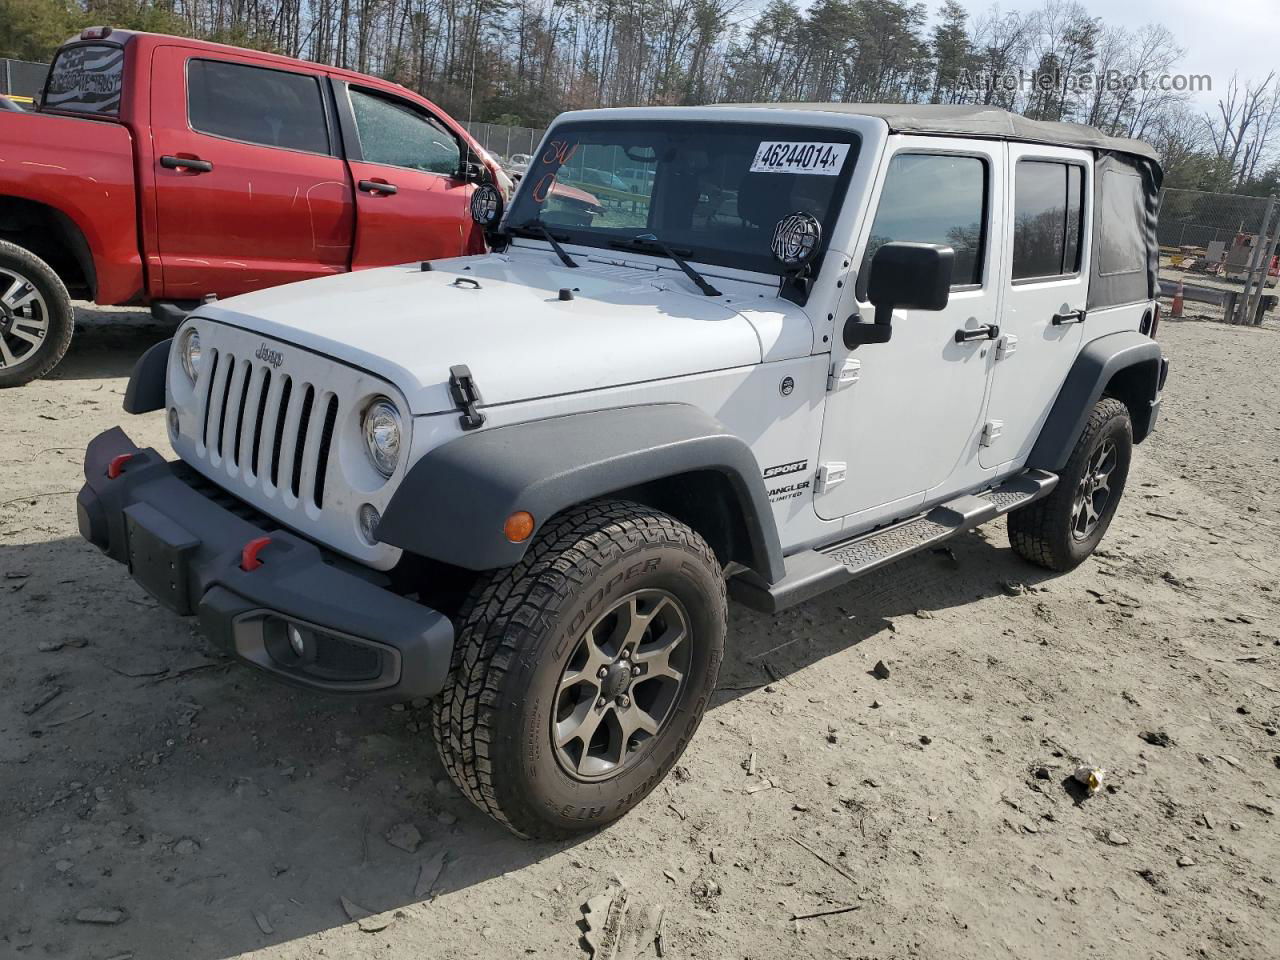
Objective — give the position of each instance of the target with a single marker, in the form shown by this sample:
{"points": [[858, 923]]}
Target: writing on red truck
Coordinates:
{"points": [[162, 171]]}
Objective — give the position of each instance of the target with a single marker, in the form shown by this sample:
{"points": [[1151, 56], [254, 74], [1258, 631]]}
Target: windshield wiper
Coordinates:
{"points": [[539, 228], [647, 241]]}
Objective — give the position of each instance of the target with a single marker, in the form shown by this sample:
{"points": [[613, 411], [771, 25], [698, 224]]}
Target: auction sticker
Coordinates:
{"points": [[794, 156]]}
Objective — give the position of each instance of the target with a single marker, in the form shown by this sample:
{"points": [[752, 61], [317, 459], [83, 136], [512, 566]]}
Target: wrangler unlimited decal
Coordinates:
{"points": [[789, 492]]}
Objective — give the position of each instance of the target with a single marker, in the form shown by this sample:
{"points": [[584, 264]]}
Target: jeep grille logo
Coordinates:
{"points": [[267, 355]]}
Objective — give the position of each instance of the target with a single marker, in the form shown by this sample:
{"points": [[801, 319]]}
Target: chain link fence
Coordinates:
{"points": [[1219, 251], [504, 141], [22, 80], [1194, 218]]}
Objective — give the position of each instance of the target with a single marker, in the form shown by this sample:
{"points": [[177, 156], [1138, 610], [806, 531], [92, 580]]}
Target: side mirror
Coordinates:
{"points": [[472, 171], [910, 276]]}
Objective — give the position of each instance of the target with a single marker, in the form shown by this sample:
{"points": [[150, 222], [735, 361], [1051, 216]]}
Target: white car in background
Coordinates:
{"points": [[518, 164]]}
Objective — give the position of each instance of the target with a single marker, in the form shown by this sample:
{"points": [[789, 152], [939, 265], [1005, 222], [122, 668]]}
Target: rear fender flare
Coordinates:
{"points": [[1125, 365]]}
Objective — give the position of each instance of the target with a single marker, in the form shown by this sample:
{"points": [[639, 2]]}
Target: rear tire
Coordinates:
{"points": [[580, 674], [36, 320], [1060, 531]]}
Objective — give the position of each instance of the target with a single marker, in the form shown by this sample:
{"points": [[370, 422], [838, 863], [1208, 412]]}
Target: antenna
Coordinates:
{"points": [[471, 98]]}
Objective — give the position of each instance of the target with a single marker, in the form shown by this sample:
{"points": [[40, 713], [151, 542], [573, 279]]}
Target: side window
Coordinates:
{"points": [[399, 136], [273, 108], [1121, 246], [1048, 203], [934, 198]]}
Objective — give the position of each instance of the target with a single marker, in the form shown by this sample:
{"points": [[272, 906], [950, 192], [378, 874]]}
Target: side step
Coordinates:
{"points": [[811, 572]]}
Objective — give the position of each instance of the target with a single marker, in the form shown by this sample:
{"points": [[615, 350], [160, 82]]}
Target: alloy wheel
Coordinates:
{"points": [[1094, 491], [24, 318], [621, 683]]}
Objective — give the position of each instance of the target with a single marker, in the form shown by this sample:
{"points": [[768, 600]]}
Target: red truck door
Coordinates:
{"points": [[410, 202], [250, 191]]}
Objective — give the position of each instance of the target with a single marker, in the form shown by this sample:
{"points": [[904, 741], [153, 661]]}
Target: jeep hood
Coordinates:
{"points": [[502, 316]]}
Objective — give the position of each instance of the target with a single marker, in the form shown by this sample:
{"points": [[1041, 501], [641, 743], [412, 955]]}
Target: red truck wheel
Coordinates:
{"points": [[36, 321]]}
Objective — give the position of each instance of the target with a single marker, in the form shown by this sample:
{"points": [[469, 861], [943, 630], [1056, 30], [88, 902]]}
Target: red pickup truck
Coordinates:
{"points": [[159, 170]]}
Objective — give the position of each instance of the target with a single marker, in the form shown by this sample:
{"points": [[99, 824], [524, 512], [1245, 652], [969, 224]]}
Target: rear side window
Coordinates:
{"points": [[273, 108], [86, 79], [1048, 203], [1121, 245], [396, 134], [935, 198]]}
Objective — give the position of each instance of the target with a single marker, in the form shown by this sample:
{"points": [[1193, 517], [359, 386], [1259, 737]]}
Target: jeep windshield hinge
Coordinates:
{"points": [[466, 395], [843, 374]]}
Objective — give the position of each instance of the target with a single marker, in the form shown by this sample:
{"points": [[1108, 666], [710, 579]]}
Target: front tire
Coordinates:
{"points": [[580, 674], [1060, 531], [36, 320]]}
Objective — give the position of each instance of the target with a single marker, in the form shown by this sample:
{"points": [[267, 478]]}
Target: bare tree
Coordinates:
{"points": [[1242, 116]]}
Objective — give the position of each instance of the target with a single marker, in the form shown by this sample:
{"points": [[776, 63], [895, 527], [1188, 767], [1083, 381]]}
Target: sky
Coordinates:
{"points": [[1220, 36]]}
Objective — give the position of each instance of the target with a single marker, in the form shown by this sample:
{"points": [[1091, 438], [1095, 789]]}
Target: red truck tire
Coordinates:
{"points": [[36, 320]]}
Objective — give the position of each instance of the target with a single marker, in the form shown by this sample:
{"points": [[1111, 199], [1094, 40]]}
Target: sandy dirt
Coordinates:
{"points": [[157, 802]]}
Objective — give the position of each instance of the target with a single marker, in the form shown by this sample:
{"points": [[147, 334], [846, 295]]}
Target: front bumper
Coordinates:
{"points": [[184, 545]]}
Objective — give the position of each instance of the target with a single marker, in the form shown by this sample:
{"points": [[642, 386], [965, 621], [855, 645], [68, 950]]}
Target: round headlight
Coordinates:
{"points": [[189, 351], [382, 435]]}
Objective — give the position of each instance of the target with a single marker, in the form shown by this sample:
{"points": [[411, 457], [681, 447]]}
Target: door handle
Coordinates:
{"points": [[194, 164], [377, 186], [1073, 316], [988, 331]]}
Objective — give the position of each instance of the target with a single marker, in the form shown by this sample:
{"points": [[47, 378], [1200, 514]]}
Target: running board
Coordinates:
{"points": [[811, 572]]}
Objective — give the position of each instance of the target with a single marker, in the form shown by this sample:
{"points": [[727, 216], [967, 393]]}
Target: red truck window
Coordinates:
{"points": [[86, 78], [395, 134], [273, 108]]}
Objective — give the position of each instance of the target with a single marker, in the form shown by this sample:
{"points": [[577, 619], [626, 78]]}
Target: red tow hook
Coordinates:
{"points": [[116, 466], [249, 555]]}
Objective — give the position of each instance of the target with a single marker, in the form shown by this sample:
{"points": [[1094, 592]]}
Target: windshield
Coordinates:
{"points": [[713, 191]]}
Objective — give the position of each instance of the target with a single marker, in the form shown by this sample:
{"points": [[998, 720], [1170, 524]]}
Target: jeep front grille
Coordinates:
{"points": [[278, 426], [255, 415]]}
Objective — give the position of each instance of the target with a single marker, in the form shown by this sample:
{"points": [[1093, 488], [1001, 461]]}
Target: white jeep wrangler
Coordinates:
{"points": [[746, 350]]}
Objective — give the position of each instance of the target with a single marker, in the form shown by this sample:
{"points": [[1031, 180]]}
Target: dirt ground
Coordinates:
{"points": [[195, 809]]}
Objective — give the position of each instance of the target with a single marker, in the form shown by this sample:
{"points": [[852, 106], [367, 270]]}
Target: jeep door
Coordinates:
{"points": [[907, 422], [1045, 287], [411, 203]]}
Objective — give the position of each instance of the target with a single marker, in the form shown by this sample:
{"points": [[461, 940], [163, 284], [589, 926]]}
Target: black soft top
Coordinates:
{"points": [[966, 120], [1126, 183]]}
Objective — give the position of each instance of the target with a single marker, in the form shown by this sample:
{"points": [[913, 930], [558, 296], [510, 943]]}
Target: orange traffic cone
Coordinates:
{"points": [[1176, 311]]}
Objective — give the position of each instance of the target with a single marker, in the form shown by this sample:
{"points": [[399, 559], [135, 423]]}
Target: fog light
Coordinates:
{"points": [[173, 421], [369, 518], [297, 641]]}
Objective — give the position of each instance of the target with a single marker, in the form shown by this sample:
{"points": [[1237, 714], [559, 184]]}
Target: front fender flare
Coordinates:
{"points": [[145, 391], [452, 504], [1094, 370]]}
